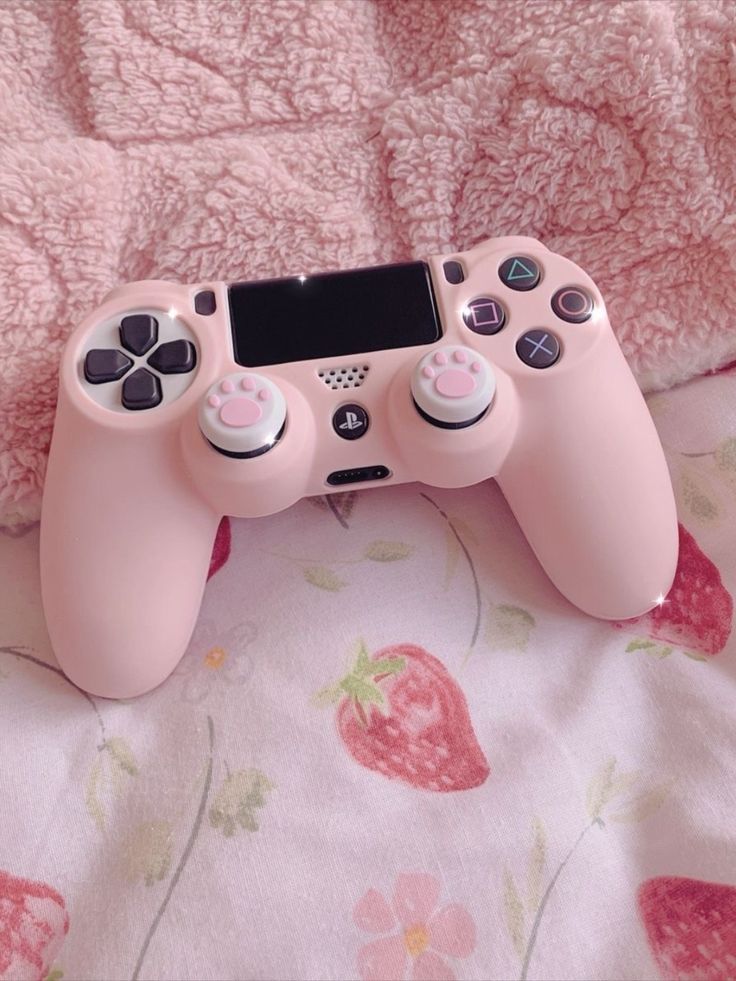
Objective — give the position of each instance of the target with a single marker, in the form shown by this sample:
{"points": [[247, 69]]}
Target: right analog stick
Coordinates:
{"points": [[243, 415], [453, 387]]}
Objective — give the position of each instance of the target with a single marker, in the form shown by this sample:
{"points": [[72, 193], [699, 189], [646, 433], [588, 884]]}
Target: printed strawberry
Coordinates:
{"points": [[400, 713], [221, 548], [697, 612], [33, 923], [691, 927]]}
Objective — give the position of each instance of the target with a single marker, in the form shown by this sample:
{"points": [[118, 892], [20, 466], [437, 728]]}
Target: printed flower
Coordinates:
{"points": [[33, 924], [214, 658], [425, 934]]}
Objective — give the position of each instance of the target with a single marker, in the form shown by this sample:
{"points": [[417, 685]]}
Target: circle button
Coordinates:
{"points": [[484, 315], [538, 348], [519, 272], [350, 421], [572, 304]]}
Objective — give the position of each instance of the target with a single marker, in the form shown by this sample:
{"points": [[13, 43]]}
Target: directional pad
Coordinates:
{"points": [[147, 356], [174, 358], [105, 366], [141, 390], [138, 332]]}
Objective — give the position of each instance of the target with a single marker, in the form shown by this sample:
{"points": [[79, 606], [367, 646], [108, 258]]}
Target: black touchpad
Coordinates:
{"points": [[277, 321]]}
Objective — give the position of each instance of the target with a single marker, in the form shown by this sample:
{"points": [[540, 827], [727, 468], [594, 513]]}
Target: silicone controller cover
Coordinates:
{"points": [[133, 498]]}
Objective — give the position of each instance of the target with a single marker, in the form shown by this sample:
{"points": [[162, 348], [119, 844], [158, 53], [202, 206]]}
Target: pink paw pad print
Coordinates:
{"points": [[453, 386], [243, 413], [242, 409], [456, 377]]}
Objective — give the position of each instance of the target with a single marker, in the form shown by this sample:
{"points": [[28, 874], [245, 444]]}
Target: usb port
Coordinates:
{"points": [[356, 476]]}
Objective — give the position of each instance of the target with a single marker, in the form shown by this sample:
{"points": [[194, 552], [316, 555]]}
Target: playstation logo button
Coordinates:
{"points": [[350, 421]]}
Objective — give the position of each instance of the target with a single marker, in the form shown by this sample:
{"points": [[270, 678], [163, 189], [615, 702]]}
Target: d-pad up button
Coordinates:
{"points": [[138, 333]]}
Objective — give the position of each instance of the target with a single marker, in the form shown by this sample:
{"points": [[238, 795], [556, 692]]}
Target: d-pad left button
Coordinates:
{"points": [[138, 332], [141, 390], [105, 365]]}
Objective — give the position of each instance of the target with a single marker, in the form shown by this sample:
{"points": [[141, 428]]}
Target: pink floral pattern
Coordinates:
{"points": [[33, 924], [418, 936]]}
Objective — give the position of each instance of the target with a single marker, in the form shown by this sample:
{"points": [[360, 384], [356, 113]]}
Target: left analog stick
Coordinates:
{"points": [[243, 415]]}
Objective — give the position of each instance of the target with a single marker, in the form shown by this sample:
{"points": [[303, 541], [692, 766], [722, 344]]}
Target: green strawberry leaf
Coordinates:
{"points": [[389, 665], [639, 644], [695, 657], [361, 690], [363, 665], [327, 696], [660, 652]]}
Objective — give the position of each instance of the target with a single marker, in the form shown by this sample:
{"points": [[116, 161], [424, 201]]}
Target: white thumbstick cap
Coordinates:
{"points": [[243, 414], [453, 386]]}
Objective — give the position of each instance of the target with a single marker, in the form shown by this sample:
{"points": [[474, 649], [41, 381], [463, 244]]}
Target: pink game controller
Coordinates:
{"points": [[180, 404]]}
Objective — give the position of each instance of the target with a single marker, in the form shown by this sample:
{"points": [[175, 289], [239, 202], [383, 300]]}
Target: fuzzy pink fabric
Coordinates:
{"points": [[190, 139]]}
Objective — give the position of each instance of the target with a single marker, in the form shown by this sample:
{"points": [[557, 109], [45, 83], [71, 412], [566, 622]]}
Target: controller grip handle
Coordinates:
{"points": [[125, 550], [589, 485]]}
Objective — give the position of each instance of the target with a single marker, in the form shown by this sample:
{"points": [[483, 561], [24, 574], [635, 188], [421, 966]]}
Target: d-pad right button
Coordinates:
{"points": [[174, 357], [538, 348], [573, 304]]}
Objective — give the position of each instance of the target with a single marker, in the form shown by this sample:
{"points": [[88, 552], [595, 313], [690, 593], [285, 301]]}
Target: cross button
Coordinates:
{"points": [[538, 348]]}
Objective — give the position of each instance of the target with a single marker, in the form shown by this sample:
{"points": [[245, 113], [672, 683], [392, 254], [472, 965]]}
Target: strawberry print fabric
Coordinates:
{"points": [[392, 751]]}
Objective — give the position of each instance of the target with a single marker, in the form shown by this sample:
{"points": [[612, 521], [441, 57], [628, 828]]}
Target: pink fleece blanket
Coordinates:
{"points": [[190, 139]]}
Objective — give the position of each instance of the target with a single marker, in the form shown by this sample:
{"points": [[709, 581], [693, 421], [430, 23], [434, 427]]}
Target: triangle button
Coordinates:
{"points": [[519, 272]]}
